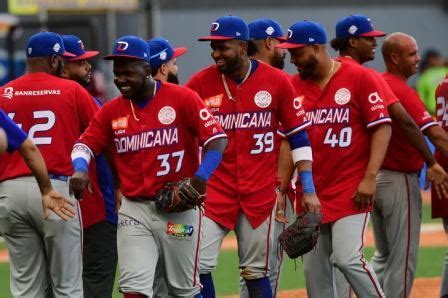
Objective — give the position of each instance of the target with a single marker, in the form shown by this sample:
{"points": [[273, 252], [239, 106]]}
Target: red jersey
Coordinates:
{"points": [[389, 96], [442, 115], [54, 112], [155, 144], [341, 115], [247, 175], [439, 205], [400, 155]]}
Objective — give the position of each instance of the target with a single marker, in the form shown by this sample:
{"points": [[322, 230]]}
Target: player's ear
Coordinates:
{"points": [[147, 70], [164, 69], [352, 42], [243, 46], [269, 43]]}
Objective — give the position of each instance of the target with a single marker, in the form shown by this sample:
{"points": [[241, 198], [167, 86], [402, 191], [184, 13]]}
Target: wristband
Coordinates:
{"points": [[210, 162], [306, 178]]}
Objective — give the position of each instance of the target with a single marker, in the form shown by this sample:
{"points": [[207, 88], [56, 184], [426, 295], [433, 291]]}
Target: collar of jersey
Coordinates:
{"points": [[252, 70], [144, 103]]}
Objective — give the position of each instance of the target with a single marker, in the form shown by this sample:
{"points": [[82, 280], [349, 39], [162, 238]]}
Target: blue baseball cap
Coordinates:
{"points": [[131, 47], [227, 28], [162, 51], [264, 28], [74, 45], [356, 25], [45, 44], [304, 33]]}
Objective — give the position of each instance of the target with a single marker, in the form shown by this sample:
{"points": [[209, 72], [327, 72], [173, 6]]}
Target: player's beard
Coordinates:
{"points": [[308, 68], [172, 78], [278, 61], [59, 68], [231, 66]]}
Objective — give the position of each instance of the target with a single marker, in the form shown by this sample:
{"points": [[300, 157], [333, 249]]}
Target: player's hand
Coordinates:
{"points": [[438, 177], [198, 184], [310, 203], [118, 199], [280, 207], [78, 183], [365, 194], [54, 201]]}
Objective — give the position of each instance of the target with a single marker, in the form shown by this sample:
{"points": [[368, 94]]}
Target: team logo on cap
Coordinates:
{"points": [[269, 30], [163, 56], [342, 96], [263, 99], [310, 39], [81, 44], [30, 50], [56, 47], [352, 29], [214, 27], [8, 92], [122, 45], [289, 33], [167, 115]]}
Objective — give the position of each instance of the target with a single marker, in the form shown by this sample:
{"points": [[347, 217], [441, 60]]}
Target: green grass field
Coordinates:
{"points": [[226, 276]]}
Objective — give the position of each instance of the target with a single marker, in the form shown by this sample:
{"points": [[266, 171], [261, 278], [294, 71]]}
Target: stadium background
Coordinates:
{"points": [[99, 22]]}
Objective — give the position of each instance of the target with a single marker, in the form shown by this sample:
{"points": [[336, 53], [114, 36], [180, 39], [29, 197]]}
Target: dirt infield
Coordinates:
{"points": [[423, 287]]}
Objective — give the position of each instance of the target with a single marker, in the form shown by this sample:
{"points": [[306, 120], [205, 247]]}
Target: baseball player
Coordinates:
{"points": [[396, 217], [53, 111], [438, 200], [99, 216], [356, 42], [349, 135], [154, 129], [163, 60], [249, 98], [264, 35]]}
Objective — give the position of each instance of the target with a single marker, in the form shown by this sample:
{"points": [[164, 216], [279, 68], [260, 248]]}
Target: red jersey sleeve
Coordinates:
{"points": [[290, 110], [98, 134], [86, 106], [201, 121], [414, 106], [389, 95], [371, 101]]}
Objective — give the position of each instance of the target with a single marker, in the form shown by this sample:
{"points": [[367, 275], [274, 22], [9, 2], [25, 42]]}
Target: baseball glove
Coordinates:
{"points": [[178, 197], [301, 236]]}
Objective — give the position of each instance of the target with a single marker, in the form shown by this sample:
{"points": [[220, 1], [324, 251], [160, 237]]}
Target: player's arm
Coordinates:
{"points": [[435, 173], [364, 196], [93, 141], [302, 157], [438, 137], [210, 161], [285, 172]]}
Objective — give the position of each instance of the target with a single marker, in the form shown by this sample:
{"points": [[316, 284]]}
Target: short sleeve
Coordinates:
{"points": [[201, 120], [371, 100], [97, 136], [290, 108], [14, 134]]}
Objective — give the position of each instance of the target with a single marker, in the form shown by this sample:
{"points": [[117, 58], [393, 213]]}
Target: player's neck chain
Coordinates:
{"points": [[132, 105], [226, 87]]}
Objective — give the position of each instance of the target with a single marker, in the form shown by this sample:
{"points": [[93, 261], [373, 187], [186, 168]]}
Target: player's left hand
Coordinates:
{"points": [[365, 194], [78, 183], [438, 177], [280, 207], [56, 202]]}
